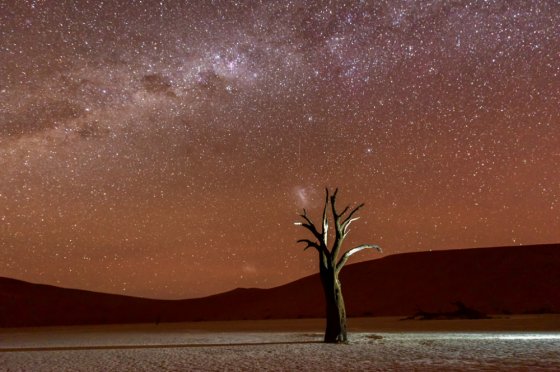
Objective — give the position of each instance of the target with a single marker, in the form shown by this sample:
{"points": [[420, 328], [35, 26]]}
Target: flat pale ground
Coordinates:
{"points": [[528, 342]]}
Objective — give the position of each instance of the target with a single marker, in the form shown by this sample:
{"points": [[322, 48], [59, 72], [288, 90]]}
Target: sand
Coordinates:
{"points": [[530, 342]]}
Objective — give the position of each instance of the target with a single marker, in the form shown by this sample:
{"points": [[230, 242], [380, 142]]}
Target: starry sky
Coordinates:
{"points": [[164, 148]]}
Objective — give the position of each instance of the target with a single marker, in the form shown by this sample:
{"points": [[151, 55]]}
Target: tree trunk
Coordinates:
{"points": [[329, 264], [335, 331]]}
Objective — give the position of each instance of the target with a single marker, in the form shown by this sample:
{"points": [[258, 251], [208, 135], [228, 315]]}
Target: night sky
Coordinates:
{"points": [[163, 148]]}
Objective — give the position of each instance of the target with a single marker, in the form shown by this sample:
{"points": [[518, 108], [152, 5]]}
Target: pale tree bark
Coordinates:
{"points": [[329, 263]]}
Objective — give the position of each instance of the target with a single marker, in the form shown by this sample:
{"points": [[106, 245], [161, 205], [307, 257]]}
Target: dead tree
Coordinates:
{"points": [[329, 264]]}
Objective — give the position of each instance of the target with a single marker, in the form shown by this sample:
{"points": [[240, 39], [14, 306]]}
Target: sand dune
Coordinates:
{"points": [[506, 280]]}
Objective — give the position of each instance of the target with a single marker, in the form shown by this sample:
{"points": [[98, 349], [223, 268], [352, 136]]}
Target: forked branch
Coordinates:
{"points": [[341, 223], [310, 244], [309, 225], [347, 224], [349, 218]]}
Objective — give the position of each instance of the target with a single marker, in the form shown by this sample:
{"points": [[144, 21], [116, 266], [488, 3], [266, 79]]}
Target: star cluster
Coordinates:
{"points": [[163, 148]]}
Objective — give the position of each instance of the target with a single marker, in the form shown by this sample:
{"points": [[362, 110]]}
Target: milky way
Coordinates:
{"points": [[163, 148]]}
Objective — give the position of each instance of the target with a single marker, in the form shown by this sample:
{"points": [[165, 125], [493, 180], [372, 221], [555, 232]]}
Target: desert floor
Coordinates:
{"points": [[528, 342]]}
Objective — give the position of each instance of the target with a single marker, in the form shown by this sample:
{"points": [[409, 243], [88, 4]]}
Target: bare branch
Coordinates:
{"points": [[336, 216], [309, 225], [335, 246], [347, 223], [313, 230], [310, 244], [347, 255], [352, 213], [305, 217], [339, 235], [325, 218], [344, 211]]}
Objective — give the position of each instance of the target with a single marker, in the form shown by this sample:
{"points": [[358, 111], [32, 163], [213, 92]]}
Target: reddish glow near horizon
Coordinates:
{"points": [[163, 149]]}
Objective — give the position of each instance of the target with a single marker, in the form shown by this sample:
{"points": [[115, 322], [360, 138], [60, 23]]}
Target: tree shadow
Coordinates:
{"points": [[159, 346]]}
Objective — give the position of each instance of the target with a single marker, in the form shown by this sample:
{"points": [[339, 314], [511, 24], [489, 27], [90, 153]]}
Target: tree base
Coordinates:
{"points": [[335, 339], [338, 342]]}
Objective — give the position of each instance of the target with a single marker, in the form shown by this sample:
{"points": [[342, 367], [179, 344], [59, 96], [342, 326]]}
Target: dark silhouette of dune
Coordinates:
{"points": [[505, 280]]}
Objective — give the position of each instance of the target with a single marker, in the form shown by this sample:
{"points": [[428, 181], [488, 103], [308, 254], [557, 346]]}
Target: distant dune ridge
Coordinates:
{"points": [[505, 280]]}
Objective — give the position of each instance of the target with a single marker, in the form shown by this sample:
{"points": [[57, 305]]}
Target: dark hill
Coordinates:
{"points": [[513, 280]]}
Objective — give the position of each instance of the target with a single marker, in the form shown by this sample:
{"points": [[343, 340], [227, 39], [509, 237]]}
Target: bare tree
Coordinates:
{"points": [[329, 264]]}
